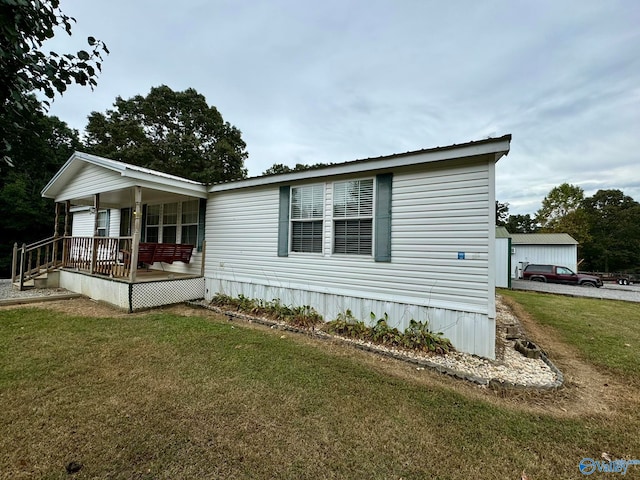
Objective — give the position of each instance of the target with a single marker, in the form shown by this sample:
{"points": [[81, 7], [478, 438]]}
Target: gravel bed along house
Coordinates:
{"points": [[510, 368]]}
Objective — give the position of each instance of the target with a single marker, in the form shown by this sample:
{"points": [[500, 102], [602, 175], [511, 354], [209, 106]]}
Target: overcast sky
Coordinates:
{"points": [[338, 80]]}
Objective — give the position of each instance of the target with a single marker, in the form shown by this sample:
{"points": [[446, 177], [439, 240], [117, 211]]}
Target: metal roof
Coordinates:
{"points": [[502, 232], [493, 146], [542, 239]]}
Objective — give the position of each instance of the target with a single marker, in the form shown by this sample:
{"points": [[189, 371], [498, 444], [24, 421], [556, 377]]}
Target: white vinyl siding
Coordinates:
{"points": [[83, 223], [502, 262], [91, 180], [437, 211]]}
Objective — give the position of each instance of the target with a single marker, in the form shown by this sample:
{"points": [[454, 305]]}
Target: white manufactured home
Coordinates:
{"points": [[409, 235]]}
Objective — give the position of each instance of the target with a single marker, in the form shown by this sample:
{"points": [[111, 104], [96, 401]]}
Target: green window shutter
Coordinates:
{"points": [[202, 212], [107, 229], [283, 222], [383, 217]]}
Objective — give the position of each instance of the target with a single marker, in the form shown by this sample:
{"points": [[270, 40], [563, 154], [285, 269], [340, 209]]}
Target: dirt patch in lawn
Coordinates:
{"points": [[587, 391]]}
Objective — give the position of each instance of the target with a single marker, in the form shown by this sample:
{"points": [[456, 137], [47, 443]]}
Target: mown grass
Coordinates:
{"points": [[605, 332], [168, 396]]}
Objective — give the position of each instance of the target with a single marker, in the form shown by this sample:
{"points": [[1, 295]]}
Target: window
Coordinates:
{"points": [[169, 223], [103, 223], [353, 217], [354, 213], [175, 222], [189, 221], [153, 223], [306, 218]]}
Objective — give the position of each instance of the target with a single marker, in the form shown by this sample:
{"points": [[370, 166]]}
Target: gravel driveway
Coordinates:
{"points": [[629, 293], [9, 293]]}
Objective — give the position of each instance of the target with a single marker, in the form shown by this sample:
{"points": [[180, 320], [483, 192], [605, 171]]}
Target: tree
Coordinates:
{"points": [[561, 212], [173, 132], [558, 203], [24, 27], [278, 168], [521, 224], [614, 227], [39, 152], [502, 213]]}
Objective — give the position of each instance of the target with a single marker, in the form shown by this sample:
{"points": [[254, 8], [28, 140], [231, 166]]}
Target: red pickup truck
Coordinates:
{"points": [[557, 274]]}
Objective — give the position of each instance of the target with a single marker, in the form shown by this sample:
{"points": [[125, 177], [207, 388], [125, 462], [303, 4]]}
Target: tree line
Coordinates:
{"points": [[606, 225], [173, 132]]}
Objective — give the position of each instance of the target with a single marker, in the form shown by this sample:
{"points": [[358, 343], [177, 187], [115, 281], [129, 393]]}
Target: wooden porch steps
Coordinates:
{"points": [[45, 279]]}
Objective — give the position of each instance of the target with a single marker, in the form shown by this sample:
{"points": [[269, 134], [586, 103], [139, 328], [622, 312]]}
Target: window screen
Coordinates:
{"points": [[353, 217], [306, 218]]}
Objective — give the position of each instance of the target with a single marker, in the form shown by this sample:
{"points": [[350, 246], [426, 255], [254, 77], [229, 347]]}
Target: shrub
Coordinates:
{"points": [[303, 316], [346, 325], [418, 336]]}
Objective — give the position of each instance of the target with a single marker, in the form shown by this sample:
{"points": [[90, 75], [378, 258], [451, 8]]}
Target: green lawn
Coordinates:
{"points": [[167, 396], [606, 332]]}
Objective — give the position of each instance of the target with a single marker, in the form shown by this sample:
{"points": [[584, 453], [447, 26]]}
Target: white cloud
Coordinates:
{"points": [[335, 81]]}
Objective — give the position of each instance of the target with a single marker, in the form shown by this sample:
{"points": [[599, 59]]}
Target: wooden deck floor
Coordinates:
{"points": [[144, 275]]}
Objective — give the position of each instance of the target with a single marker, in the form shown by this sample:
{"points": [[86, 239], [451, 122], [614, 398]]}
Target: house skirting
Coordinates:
{"points": [[470, 332], [133, 296]]}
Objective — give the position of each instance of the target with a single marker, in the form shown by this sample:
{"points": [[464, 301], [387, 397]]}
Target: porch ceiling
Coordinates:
{"points": [[125, 197]]}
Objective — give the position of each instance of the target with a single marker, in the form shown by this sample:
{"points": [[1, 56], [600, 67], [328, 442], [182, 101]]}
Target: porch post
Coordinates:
{"points": [[94, 243], [56, 234], [67, 211], [135, 243], [56, 222]]}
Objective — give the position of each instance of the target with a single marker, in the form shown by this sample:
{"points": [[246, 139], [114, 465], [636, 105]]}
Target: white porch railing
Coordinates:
{"points": [[102, 255]]}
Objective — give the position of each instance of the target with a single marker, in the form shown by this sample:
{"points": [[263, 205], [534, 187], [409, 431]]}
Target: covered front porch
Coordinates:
{"points": [[123, 234]]}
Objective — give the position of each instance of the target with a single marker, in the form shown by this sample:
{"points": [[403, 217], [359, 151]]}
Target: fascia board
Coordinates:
{"points": [[499, 148], [156, 182]]}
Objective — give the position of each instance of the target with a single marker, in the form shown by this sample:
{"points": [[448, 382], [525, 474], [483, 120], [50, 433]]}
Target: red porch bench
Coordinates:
{"points": [[150, 253]]}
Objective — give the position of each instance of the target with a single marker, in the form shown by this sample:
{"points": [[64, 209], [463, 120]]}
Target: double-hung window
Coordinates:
{"points": [[353, 217], [175, 222], [190, 222], [170, 223], [357, 220], [152, 233], [307, 205], [103, 223]]}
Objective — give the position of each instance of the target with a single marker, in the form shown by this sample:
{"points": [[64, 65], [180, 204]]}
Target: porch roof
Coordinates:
{"points": [[84, 175]]}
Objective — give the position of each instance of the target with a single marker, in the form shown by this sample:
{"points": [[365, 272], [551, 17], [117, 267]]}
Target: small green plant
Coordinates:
{"points": [[382, 333], [303, 316], [346, 325], [418, 336]]}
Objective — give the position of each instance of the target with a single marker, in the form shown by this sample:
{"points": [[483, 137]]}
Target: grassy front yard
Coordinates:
{"points": [[164, 395]]}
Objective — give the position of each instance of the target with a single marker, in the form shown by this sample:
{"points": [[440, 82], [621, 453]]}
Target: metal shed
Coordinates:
{"points": [[551, 248], [503, 258]]}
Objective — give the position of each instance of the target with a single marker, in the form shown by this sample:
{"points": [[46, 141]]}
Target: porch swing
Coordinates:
{"points": [[152, 252]]}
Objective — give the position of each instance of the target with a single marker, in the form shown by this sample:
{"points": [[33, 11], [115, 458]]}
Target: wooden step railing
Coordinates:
{"points": [[30, 261], [101, 255]]}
